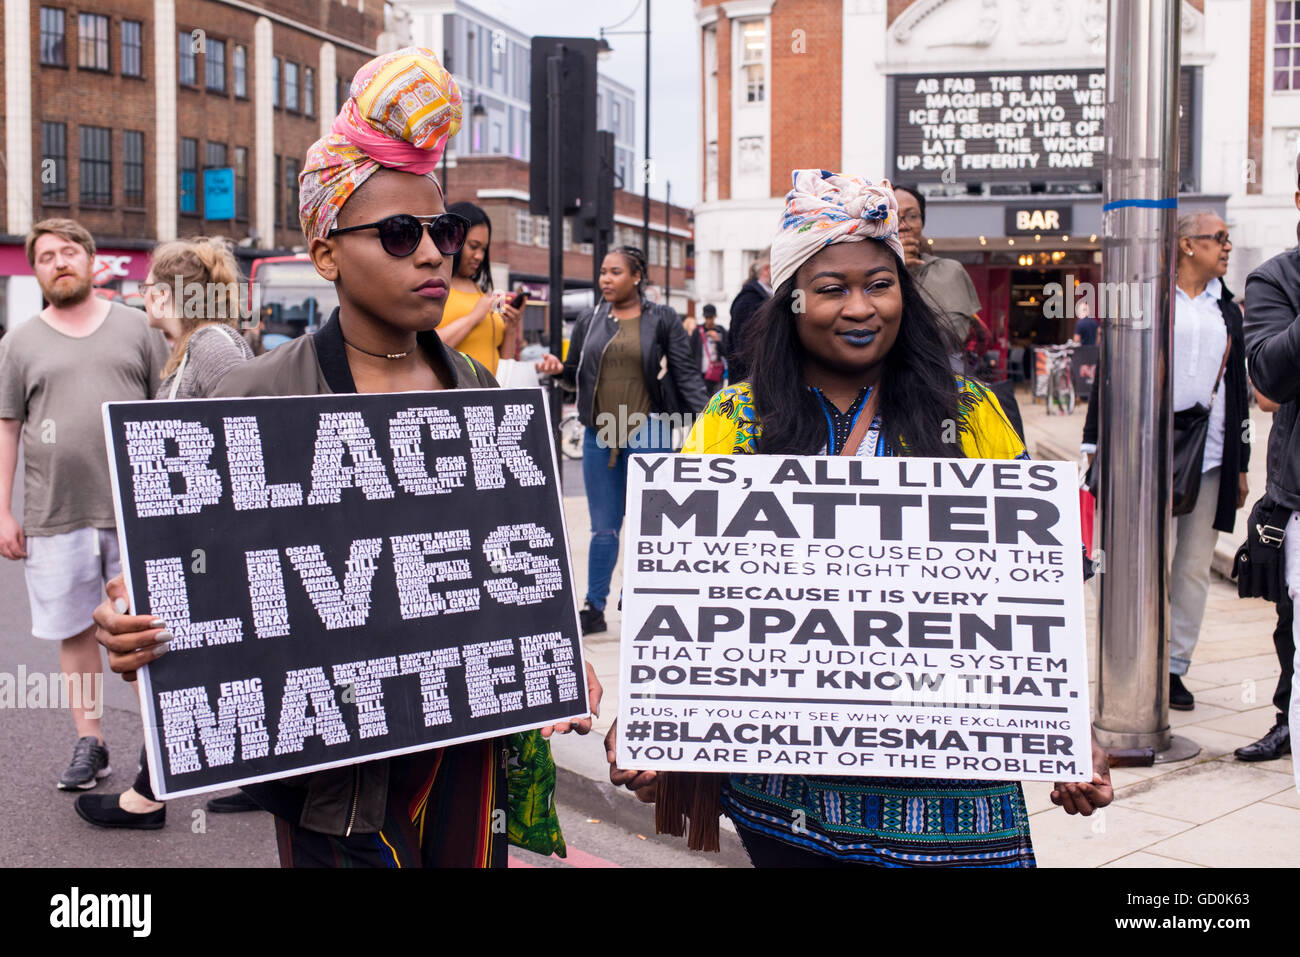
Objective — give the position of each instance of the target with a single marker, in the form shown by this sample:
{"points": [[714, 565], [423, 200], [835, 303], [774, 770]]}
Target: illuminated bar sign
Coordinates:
{"points": [[1028, 220]]}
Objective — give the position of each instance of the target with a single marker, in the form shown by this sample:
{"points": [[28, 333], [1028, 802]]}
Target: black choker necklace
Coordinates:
{"points": [[380, 355]]}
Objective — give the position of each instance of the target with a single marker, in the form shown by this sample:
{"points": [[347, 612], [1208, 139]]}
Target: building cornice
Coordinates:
{"points": [[302, 27], [706, 15], [743, 9], [498, 193]]}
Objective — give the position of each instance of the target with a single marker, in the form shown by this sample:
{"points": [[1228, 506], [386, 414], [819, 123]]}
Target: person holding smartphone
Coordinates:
{"points": [[483, 324]]}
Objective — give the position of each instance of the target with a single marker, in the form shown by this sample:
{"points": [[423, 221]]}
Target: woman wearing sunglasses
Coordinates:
{"points": [[846, 359], [479, 322], [372, 211]]}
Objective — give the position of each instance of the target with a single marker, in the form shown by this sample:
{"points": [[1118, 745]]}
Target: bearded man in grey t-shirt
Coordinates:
{"points": [[55, 371]]}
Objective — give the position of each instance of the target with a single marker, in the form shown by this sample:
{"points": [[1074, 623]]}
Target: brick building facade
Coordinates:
{"points": [[520, 241], [114, 108]]}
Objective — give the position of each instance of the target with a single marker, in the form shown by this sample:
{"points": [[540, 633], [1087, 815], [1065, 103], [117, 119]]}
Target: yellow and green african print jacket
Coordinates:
{"points": [[729, 425]]}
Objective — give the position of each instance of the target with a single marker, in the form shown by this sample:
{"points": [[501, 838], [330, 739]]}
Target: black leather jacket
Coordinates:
{"points": [[662, 336], [1273, 354]]}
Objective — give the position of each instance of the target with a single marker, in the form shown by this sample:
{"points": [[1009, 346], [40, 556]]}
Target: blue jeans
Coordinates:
{"points": [[607, 499]]}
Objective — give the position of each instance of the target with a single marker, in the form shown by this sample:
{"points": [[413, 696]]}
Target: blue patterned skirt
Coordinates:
{"points": [[888, 822]]}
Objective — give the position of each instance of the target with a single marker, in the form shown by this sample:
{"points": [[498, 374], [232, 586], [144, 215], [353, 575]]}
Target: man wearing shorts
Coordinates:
{"points": [[55, 371]]}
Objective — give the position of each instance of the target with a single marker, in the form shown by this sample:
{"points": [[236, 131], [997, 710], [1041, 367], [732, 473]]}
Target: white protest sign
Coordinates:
{"points": [[892, 617]]}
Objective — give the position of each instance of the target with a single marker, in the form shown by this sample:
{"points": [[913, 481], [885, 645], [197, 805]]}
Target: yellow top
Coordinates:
{"points": [[483, 344], [729, 425]]}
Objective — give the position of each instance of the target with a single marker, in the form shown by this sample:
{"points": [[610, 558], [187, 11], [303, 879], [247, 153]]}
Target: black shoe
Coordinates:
{"points": [[235, 803], [103, 810], [592, 619], [89, 764], [1274, 745], [1180, 699]]}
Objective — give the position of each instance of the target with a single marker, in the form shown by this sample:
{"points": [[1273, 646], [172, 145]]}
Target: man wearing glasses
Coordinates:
{"points": [[944, 282], [1209, 370]]}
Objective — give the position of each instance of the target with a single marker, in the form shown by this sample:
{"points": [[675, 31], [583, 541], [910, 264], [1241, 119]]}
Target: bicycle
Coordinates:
{"points": [[1060, 378], [571, 435]]}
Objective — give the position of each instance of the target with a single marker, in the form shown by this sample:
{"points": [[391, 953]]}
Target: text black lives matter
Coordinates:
{"points": [[346, 577]]}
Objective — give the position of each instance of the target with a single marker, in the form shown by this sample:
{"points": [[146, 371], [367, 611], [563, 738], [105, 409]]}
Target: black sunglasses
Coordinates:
{"points": [[1220, 237], [400, 234]]}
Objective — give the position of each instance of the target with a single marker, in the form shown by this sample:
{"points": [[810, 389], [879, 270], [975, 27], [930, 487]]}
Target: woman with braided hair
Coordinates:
{"points": [[630, 362]]}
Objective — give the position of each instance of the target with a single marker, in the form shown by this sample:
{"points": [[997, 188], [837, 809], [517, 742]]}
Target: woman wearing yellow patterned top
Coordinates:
{"points": [[845, 341], [475, 320]]}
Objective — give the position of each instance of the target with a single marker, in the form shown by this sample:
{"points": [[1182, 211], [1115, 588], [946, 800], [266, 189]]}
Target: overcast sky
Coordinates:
{"points": [[674, 72]]}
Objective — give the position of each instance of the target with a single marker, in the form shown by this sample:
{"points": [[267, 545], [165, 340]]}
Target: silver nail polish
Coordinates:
{"points": [[119, 605], [165, 636], [157, 623]]}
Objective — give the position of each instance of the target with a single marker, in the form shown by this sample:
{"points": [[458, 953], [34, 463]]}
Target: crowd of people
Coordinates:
{"points": [[870, 364]]}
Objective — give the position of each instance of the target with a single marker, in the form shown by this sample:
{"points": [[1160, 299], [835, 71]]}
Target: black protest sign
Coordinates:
{"points": [[347, 577], [887, 617]]}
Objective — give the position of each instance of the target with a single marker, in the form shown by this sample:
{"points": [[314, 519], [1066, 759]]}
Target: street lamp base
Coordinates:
{"points": [[1180, 749], [1132, 740]]}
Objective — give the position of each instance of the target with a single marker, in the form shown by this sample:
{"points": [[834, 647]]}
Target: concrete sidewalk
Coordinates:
{"points": [[1209, 811]]}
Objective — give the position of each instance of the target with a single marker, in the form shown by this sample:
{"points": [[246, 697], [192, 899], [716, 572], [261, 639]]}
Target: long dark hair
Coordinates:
{"points": [[919, 401], [483, 275]]}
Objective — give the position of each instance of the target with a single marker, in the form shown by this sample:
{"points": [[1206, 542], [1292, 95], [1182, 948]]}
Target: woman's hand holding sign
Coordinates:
{"points": [[1082, 797], [582, 725], [132, 641], [641, 783]]}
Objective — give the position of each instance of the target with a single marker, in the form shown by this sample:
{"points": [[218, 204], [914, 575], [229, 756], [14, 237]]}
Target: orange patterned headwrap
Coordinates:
{"points": [[402, 110]]}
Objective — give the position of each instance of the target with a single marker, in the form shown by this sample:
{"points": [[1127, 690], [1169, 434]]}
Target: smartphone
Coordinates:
{"points": [[519, 298]]}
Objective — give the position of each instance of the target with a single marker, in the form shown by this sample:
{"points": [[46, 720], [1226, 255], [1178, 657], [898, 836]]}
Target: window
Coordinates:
{"points": [[96, 166], [617, 107], [133, 167], [241, 182], [677, 255], [1286, 47], [214, 156], [214, 65], [275, 81], [279, 220], [54, 162], [291, 168], [186, 69], [53, 39], [496, 138], [189, 174], [523, 228], [542, 230], [132, 48], [754, 41], [241, 71], [291, 86], [341, 93], [309, 91], [92, 41], [568, 233]]}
